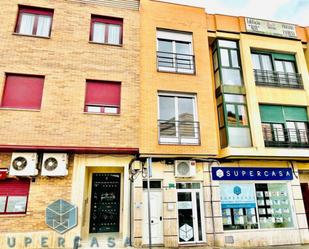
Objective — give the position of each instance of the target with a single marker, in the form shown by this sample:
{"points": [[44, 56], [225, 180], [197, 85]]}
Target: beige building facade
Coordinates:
{"points": [[98, 95]]}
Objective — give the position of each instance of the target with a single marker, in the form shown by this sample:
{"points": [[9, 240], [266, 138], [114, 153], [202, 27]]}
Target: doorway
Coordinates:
{"points": [[156, 210], [190, 213], [305, 193], [105, 203]]}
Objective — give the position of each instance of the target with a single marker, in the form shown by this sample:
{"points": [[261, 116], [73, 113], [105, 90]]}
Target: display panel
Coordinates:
{"points": [[273, 205], [238, 206]]}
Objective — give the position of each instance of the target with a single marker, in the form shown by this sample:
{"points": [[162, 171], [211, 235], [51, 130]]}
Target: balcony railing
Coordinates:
{"points": [[179, 132], [278, 79], [278, 137], [179, 63]]}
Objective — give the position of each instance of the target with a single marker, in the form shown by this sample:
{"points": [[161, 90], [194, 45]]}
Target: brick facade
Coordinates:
{"points": [[66, 60]]}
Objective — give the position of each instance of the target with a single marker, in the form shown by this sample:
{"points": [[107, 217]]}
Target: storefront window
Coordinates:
{"points": [[253, 206], [238, 206], [273, 205]]}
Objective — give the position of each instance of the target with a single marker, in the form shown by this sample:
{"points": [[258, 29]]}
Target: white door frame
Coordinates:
{"points": [[194, 213]]}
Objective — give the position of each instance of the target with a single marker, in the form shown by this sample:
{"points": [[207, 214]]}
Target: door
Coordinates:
{"points": [[105, 203], [190, 213], [305, 193], [156, 217]]}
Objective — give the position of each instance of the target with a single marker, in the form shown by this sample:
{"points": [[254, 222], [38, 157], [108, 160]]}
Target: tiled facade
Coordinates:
{"points": [[169, 111]]}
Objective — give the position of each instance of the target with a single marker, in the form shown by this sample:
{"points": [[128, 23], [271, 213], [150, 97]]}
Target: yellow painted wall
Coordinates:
{"points": [[175, 17], [307, 55], [268, 95]]}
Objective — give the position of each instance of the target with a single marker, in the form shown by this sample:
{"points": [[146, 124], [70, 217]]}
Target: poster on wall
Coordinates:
{"points": [[238, 195]]}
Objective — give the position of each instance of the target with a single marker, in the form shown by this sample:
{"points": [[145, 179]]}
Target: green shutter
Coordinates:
{"points": [[292, 113], [271, 113], [286, 57]]}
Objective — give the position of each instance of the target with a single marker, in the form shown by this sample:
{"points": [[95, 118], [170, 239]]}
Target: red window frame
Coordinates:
{"points": [[106, 20], [15, 95], [37, 12], [101, 100], [14, 187]]}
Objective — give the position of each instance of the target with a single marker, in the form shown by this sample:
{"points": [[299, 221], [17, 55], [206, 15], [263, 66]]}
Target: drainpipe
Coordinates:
{"points": [[131, 193]]}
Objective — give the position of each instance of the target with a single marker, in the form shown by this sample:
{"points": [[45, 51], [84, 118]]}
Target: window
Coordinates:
{"points": [[253, 206], [236, 119], [34, 21], [106, 30], [14, 196], [275, 69], [102, 97], [273, 205], [285, 126], [178, 119], [22, 91], [226, 63], [238, 206], [174, 52], [154, 184]]}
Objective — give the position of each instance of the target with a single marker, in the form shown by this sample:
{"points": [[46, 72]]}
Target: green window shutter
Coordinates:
{"points": [[287, 57], [292, 113], [271, 113]]}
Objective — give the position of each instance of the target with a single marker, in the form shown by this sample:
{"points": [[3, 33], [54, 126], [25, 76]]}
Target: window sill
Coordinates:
{"points": [[107, 44], [101, 113], [174, 72], [18, 109], [13, 215], [34, 36], [279, 86]]}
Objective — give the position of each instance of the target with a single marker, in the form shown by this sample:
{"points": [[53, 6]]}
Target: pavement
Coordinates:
{"points": [[262, 247], [265, 247]]}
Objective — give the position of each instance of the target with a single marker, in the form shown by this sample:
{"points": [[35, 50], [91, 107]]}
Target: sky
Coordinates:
{"points": [[290, 11]]}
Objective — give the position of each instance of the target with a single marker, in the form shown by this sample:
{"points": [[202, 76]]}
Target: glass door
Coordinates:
{"points": [[190, 213]]}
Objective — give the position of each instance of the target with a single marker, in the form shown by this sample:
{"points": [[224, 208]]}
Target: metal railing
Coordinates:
{"points": [[181, 63], [278, 79], [178, 132], [283, 137]]}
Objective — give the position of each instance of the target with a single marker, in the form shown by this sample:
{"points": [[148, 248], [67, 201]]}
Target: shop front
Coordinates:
{"points": [[262, 204]]}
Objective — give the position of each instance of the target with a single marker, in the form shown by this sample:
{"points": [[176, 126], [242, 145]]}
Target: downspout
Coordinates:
{"points": [[131, 194]]}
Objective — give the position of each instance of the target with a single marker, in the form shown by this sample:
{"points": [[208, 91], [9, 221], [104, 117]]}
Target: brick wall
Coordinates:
{"points": [[43, 191], [66, 60]]}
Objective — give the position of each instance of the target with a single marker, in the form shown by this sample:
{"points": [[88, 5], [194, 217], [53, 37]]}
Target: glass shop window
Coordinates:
{"points": [[253, 206]]}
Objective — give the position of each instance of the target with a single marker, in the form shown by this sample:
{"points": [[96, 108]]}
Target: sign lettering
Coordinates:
{"points": [[240, 174], [264, 27]]}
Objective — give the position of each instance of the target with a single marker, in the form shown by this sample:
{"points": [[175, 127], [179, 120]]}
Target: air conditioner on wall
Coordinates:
{"points": [[23, 164], [54, 164], [185, 168]]}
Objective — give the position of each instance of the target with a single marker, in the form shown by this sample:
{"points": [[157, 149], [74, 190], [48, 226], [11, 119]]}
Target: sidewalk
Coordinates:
{"points": [[265, 247]]}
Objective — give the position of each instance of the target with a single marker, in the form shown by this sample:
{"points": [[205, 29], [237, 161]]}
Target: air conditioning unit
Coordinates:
{"points": [[54, 164], [23, 164], [185, 168]]}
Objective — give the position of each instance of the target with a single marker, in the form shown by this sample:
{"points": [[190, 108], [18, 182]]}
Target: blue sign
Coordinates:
{"points": [[256, 174]]}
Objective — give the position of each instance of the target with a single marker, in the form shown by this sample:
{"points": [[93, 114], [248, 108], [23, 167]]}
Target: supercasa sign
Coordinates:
{"points": [[241, 174]]}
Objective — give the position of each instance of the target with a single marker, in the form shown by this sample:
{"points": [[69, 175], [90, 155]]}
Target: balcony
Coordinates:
{"points": [[179, 132], [177, 63], [283, 137], [278, 79]]}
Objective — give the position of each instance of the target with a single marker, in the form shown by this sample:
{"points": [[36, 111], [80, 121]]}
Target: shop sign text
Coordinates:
{"points": [[239, 174]]}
